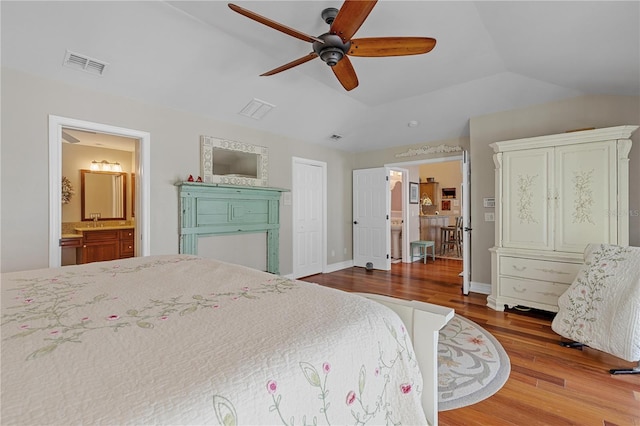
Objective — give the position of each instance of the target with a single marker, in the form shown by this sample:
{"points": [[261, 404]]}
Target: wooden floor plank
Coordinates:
{"points": [[548, 385]]}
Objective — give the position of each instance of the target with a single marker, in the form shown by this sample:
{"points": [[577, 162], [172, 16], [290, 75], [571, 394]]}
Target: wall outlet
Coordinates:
{"points": [[489, 217]]}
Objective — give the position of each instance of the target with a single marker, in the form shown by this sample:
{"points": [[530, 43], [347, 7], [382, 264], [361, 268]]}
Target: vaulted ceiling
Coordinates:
{"points": [[204, 58]]}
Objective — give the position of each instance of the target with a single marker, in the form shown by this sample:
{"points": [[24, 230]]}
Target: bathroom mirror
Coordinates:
{"points": [[103, 193], [234, 163]]}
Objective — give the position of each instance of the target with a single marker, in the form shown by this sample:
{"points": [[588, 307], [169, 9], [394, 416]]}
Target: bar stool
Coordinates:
{"points": [[451, 236], [423, 249]]}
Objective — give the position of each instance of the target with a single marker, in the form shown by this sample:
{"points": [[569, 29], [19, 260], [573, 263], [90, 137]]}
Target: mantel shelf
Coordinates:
{"points": [[221, 185]]}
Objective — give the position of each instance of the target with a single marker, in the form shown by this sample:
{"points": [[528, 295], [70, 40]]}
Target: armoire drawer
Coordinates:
{"points": [[531, 290], [544, 270]]}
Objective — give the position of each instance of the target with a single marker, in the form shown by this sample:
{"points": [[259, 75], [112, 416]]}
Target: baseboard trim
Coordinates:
{"points": [[481, 288], [338, 266]]}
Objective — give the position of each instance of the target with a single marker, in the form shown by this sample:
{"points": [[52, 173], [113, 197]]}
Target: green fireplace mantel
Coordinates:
{"points": [[215, 209]]}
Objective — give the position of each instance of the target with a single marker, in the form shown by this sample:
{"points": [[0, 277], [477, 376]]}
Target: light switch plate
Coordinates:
{"points": [[489, 217]]}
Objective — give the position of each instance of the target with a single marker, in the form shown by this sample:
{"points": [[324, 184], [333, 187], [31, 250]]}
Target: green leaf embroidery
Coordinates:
{"points": [[361, 379], [310, 373], [225, 411]]}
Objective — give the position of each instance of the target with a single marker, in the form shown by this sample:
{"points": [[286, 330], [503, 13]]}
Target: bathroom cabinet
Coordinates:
{"points": [[105, 244]]}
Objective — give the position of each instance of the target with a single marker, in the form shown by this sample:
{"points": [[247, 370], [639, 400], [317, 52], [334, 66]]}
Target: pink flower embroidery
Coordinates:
{"points": [[54, 332], [376, 372], [405, 388], [28, 301], [326, 367], [24, 326], [84, 319], [476, 340], [272, 386], [113, 317], [216, 306], [245, 288], [164, 317], [351, 397]]}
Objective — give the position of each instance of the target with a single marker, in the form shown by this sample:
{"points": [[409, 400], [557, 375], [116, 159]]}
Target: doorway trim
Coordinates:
{"points": [[143, 180]]}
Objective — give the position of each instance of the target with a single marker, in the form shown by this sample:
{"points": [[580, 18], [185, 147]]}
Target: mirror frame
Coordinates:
{"points": [[207, 145], [83, 172]]}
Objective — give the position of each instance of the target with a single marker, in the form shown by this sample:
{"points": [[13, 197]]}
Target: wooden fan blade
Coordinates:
{"points": [[291, 64], [391, 46], [345, 73], [350, 17], [273, 24]]}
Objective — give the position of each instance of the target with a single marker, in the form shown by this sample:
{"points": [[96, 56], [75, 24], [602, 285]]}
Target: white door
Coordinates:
{"points": [[371, 225], [466, 225], [308, 217]]}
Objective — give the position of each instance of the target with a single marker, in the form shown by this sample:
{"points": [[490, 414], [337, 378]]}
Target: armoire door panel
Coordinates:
{"points": [[526, 209], [585, 185]]}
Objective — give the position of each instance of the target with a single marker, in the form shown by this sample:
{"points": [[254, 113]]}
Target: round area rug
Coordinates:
{"points": [[472, 364]]}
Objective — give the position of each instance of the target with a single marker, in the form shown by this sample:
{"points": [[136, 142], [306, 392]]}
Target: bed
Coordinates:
{"points": [[179, 339]]}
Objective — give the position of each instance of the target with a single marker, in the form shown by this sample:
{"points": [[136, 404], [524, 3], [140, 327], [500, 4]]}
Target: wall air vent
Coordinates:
{"points": [[84, 63], [335, 137], [256, 109]]}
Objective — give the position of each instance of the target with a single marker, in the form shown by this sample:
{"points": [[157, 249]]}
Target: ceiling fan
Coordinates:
{"points": [[335, 46]]}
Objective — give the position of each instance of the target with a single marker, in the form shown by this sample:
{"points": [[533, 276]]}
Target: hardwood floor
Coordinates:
{"points": [[548, 385]]}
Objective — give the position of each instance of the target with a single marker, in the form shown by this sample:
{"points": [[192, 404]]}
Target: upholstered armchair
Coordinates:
{"points": [[601, 308]]}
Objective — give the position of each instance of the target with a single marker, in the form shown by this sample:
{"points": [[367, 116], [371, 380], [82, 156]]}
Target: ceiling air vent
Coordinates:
{"points": [[84, 63], [256, 109]]}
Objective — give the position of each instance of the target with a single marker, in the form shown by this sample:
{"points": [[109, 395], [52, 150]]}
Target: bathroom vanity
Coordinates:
{"points": [[107, 243]]}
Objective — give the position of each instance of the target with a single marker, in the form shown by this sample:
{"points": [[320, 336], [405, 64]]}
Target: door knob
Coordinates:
{"points": [[355, 222]]}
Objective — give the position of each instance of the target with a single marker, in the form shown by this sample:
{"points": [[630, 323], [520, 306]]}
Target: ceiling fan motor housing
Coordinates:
{"points": [[332, 50]]}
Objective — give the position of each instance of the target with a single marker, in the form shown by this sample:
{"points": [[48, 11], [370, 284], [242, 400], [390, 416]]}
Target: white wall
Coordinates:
{"points": [[27, 101]]}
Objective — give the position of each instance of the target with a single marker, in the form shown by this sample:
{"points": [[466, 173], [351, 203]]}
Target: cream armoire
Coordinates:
{"points": [[554, 195]]}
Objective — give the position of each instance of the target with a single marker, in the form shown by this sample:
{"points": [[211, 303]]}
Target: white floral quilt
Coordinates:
{"points": [[182, 340], [601, 308]]}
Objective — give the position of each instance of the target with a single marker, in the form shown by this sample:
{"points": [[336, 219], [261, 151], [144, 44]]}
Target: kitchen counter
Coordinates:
{"points": [[430, 228]]}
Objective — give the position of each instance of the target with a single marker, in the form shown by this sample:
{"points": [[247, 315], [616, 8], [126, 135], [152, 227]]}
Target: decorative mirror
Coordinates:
{"points": [[233, 163], [103, 195]]}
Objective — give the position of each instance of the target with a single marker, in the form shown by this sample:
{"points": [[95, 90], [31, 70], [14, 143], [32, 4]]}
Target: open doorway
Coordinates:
{"points": [[440, 207], [101, 169], [61, 131]]}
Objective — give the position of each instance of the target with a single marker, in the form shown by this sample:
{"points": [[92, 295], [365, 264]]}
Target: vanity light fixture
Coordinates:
{"points": [[105, 166]]}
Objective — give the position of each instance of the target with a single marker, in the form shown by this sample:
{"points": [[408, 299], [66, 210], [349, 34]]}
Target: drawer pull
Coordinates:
{"points": [[519, 269], [553, 271], [519, 290]]}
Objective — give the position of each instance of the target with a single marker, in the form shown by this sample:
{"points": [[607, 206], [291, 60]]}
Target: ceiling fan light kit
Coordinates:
{"points": [[335, 46]]}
